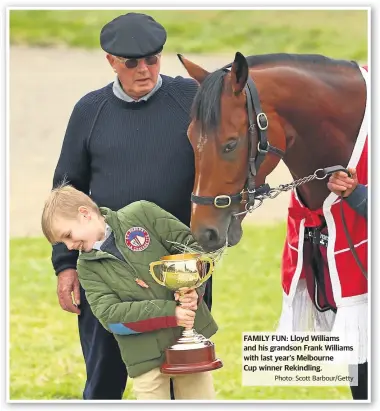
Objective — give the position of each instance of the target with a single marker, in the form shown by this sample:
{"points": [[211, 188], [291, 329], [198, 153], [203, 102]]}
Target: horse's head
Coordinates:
{"points": [[224, 138]]}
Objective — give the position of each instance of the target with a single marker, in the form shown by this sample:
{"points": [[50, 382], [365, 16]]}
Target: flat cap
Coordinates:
{"points": [[132, 35]]}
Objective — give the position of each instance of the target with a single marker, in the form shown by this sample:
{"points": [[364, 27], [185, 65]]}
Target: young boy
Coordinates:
{"points": [[113, 268]]}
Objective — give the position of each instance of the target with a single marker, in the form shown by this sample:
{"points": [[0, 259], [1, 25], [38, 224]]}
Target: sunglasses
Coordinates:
{"points": [[133, 63]]}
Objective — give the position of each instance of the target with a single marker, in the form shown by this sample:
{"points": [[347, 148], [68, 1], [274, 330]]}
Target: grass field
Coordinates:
{"points": [[337, 33], [45, 354]]}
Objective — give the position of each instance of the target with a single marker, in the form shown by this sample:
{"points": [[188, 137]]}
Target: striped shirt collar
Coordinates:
{"points": [[98, 244], [122, 95]]}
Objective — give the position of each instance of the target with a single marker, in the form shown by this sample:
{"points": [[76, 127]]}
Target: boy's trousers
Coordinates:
{"points": [[153, 385]]}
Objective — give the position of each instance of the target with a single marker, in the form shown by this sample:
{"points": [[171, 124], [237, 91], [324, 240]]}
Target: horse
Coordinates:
{"points": [[306, 110]]}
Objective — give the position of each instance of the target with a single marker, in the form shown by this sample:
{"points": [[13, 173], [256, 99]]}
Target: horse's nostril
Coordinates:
{"points": [[211, 235]]}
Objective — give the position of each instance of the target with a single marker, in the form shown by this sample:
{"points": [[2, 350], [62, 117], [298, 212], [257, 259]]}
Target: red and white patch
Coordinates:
{"points": [[137, 239]]}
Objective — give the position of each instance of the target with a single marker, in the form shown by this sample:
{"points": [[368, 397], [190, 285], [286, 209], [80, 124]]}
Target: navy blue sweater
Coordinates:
{"points": [[120, 152]]}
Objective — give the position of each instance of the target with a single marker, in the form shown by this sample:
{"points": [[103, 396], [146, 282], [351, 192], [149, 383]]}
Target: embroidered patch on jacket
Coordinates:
{"points": [[137, 239]]}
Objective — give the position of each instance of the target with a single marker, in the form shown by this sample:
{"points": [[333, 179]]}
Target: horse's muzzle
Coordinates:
{"points": [[210, 240]]}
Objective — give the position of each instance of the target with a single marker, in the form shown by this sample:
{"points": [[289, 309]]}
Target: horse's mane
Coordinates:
{"points": [[297, 58], [206, 105]]}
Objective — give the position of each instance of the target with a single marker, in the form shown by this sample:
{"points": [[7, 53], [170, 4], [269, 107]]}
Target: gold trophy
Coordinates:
{"points": [[192, 352]]}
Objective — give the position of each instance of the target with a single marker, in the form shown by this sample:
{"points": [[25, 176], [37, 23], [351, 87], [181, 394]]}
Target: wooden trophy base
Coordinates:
{"points": [[190, 358]]}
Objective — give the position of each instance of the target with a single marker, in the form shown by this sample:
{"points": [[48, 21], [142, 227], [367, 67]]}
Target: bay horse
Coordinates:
{"points": [[309, 111]]}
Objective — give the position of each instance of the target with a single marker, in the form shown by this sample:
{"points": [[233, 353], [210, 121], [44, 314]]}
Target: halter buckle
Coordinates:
{"points": [[262, 117], [222, 197], [262, 150]]}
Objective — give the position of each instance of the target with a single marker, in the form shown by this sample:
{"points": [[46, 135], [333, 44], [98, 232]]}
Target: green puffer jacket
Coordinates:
{"points": [[141, 318]]}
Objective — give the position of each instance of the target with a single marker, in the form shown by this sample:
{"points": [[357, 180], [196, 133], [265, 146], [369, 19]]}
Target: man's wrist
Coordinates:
{"points": [[357, 196], [64, 268]]}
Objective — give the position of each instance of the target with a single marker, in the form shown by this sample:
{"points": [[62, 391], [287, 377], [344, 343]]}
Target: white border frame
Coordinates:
{"points": [[322, 5]]}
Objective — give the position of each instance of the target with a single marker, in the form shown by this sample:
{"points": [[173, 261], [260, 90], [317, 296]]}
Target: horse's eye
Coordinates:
{"points": [[230, 146]]}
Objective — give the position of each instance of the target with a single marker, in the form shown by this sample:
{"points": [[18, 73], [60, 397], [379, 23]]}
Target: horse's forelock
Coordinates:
{"points": [[206, 106]]}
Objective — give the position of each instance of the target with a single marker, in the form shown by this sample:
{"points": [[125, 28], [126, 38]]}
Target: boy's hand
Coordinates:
{"points": [[339, 182], [185, 317], [188, 298]]}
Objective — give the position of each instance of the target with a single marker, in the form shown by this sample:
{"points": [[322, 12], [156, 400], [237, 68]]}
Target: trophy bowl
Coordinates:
{"points": [[192, 352]]}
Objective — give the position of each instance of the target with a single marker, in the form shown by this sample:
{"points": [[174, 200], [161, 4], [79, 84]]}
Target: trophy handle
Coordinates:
{"points": [[151, 270], [211, 269]]}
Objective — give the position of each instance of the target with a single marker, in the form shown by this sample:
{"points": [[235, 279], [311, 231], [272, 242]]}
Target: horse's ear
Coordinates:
{"points": [[239, 73], [196, 72]]}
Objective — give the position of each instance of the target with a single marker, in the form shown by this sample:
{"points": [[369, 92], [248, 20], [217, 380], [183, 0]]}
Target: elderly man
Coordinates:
{"points": [[125, 142]]}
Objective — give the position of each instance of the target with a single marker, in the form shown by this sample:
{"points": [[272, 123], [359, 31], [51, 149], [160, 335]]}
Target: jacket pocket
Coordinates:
{"points": [[139, 348]]}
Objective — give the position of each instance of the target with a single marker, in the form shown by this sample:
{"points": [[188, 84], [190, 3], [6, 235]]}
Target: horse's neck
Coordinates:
{"points": [[321, 130], [307, 155]]}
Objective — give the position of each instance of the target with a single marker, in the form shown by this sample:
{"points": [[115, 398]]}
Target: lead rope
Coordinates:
{"points": [[266, 192], [350, 243]]}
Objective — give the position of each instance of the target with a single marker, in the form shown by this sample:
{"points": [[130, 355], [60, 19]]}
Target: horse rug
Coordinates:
{"points": [[323, 287]]}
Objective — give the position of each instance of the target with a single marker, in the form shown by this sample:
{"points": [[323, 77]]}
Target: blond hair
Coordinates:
{"points": [[63, 201]]}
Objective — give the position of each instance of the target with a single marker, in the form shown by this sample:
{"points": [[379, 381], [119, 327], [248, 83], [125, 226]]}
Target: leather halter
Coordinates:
{"points": [[255, 157]]}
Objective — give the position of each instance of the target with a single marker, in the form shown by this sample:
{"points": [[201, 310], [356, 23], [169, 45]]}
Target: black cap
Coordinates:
{"points": [[133, 35]]}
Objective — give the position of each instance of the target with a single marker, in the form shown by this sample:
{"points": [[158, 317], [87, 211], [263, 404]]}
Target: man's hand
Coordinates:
{"points": [[185, 317], [188, 298], [67, 288], [339, 182]]}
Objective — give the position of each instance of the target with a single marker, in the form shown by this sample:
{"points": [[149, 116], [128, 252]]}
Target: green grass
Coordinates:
{"points": [[337, 33], [45, 355]]}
